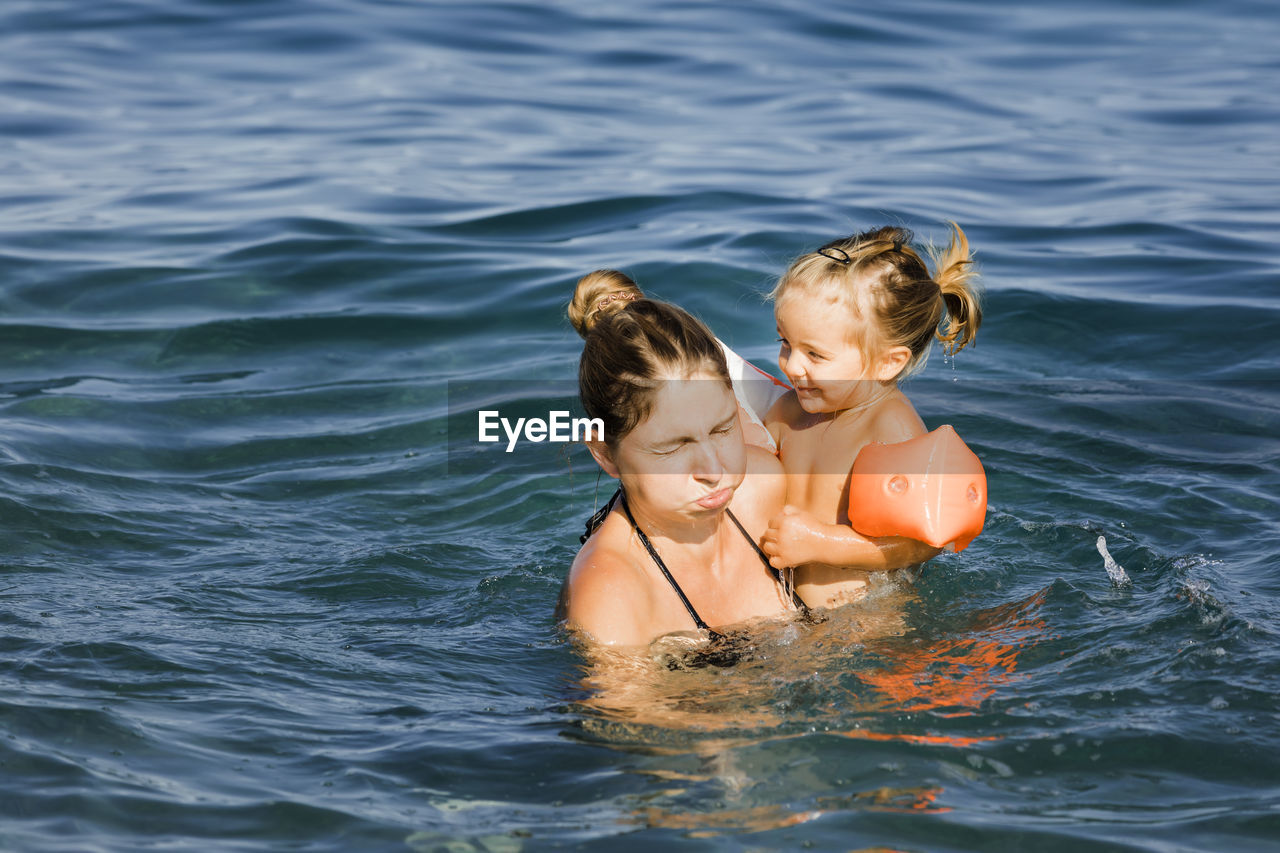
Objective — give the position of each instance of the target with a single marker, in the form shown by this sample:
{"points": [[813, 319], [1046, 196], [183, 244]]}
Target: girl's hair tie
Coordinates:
{"points": [[836, 254]]}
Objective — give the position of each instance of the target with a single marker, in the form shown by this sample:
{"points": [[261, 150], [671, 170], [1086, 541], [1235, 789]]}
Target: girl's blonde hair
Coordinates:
{"points": [[633, 345], [887, 286]]}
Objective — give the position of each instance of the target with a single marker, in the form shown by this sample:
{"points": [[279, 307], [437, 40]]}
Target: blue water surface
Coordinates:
{"points": [[256, 594]]}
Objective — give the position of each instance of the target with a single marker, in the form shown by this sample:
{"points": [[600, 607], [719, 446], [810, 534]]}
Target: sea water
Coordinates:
{"points": [[256, 594]]}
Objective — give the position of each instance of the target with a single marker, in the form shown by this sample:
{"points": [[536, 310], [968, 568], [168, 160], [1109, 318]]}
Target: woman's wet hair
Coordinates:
{"points": [[893, 297], [632, 345]]}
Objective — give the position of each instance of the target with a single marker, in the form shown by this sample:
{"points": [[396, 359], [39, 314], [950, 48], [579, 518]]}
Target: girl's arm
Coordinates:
{"points": [[795, 538]]}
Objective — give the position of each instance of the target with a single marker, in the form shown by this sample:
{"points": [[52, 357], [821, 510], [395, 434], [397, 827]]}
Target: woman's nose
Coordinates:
{"points": [[707, 465]]}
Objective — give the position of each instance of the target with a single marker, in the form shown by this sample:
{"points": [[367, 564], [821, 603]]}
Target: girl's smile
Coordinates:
{"points": [[817, 354]]}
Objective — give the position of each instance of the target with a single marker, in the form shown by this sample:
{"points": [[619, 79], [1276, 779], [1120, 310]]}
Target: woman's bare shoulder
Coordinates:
{"points": [[764, 489], [606, 594], [762, 462]]}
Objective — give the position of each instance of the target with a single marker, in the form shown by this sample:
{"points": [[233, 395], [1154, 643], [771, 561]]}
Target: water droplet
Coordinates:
{"points": [[897, 484]]}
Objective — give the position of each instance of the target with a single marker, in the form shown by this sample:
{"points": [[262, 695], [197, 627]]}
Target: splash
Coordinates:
{"points": [[1114, 570]]}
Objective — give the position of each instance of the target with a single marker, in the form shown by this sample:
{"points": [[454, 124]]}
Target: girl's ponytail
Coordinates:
{"points": [[957, 279]]}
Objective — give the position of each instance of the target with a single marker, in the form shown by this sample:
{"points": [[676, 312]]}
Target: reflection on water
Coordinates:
{"points": [[761, 818], [711, 824], [956, 674], [863, 672]]}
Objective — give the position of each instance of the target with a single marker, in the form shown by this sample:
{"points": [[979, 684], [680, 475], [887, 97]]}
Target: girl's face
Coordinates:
{"points": [[686, 459], [818, 355]]}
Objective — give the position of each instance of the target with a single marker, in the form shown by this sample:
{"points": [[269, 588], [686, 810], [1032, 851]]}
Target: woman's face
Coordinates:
{"points": [[687, 458]]}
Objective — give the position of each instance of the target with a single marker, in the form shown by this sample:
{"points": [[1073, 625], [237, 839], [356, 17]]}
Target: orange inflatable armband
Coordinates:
{"points": [[931, 488]]}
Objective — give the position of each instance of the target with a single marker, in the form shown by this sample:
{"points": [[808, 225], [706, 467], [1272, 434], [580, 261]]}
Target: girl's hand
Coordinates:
{"points": [[793, 538]]}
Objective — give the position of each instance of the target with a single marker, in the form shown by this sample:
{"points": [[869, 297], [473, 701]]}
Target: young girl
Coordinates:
{"points": [[855, 318]]}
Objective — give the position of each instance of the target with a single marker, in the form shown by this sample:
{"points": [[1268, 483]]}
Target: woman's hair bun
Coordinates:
{"points": [[599, 294]]}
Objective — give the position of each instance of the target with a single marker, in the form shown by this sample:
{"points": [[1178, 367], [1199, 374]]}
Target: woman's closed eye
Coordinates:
{"points": [[722, 429], [727, 425]]}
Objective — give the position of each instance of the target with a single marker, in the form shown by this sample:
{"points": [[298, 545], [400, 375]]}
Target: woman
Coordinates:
{"points": [[677, 550]]}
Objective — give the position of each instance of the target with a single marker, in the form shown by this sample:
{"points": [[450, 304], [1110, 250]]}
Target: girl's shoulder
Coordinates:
{"points": [[895, 420], [785, 410]]}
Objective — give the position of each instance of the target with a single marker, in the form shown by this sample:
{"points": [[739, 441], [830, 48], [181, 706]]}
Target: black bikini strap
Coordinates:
{"points": [[594, 522], [759, 551], [764, 558], [653, 552]]}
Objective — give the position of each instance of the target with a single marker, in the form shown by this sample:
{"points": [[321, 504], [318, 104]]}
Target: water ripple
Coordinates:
{"points": [[255, 590]]}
